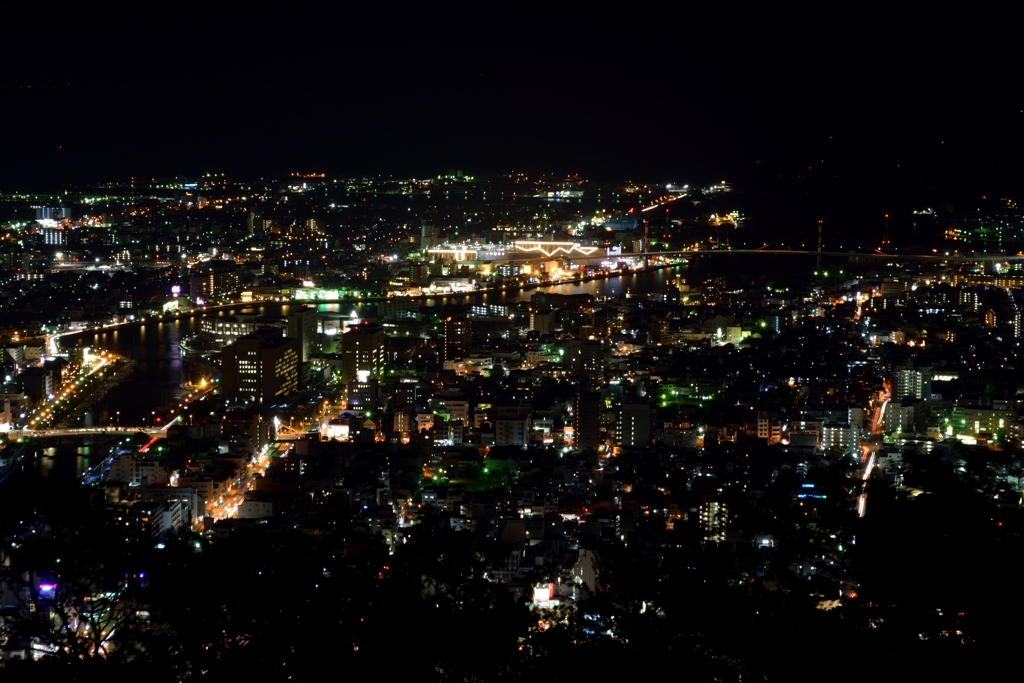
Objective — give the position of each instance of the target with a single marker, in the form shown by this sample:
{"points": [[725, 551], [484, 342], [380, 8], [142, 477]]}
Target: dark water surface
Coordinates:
{"points": [[159, 372]]}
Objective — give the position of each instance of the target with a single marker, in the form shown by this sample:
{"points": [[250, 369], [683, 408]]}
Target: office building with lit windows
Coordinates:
{"points": [[457, 335], [714, 520], [586, 421], [261, 367], [53, 236], [912, 383], [633, 427], [362, 350], [214, 280], [302, 327]]}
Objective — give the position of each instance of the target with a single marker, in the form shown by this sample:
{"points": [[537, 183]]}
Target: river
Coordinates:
{"points": [[159, 372]]}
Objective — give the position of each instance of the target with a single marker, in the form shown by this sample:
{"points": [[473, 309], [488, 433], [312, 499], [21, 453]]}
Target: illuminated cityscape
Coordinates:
{"points": [[703, 364]]}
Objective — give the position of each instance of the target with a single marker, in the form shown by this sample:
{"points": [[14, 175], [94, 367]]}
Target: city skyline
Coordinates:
{"points": [[518, 344]]}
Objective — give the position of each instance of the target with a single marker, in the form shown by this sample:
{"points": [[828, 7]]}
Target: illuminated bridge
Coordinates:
{"points": [[82, 431], [531, 250]]}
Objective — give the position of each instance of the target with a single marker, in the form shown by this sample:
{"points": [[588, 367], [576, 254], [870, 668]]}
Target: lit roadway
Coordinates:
{"points": [[154, 432], [868, 458], [227, 505], [45, 412]]}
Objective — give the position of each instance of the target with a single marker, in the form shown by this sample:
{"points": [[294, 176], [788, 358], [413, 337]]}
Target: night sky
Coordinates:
{"points": [[875, 102]]}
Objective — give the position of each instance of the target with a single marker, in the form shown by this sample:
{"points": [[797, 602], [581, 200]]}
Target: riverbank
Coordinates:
{"points": [[161, 369], [107, 379], [500, 290], [216, 308]]}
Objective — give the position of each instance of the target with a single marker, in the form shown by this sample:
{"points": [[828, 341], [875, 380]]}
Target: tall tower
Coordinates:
{"points": [[593, 360], [302, 326], [819, 246], [647, 242], [714, 520], [633, 426], [885, 235], [586, 420], [458, 333], [1015, 317]]}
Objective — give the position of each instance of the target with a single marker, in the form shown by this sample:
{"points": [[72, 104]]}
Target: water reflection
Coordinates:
{"points": [[159, 372], [68, 461]]}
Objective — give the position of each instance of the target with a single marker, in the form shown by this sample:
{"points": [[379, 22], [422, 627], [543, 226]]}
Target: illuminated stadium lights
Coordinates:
{"points": [[552, 248]]}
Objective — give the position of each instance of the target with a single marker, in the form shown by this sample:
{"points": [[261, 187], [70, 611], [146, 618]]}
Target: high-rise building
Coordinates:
{"points": [[592, 362], [261, 367], [362, 393], [912, 383], [633, 428], [362, 350], [419, 273], [53, 236], [53, 213], [714, 517], [769, 428], [458, 333], [403, 395], [899, 418], [258, 225], [399, 308], [968, 299], [839, 435], [215, 279], [428, 235], [714, 290], [512, 431], [587, 360], [302, 327], [542, 321], [659, 330], [894, 288], [586, 421]]}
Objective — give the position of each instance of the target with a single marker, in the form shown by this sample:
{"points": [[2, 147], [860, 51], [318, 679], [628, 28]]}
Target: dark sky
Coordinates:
{"points": [[882, 100]]}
